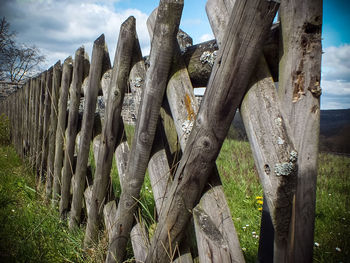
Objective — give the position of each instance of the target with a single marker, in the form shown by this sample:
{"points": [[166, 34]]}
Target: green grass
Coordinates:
{"points": [[333, 209], [241, 187], [31, 231], [4, 130], [332, 222]]}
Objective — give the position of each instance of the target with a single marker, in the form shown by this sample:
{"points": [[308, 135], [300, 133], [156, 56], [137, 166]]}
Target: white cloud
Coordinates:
{"points": [[206, 37], [191, 22], [337, 88], [336, 78], [336, 63], [61, 27], [335, 95]]}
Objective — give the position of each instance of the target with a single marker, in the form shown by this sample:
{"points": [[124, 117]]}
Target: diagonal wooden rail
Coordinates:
{"points": [[241, 77], [240, 47]]}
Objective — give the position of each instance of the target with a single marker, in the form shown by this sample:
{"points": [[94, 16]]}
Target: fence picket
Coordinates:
{"points": [[286, 162], [300, 91], [116, 91], [56, 84], [61, 126], [99, 61], [46, 126]]}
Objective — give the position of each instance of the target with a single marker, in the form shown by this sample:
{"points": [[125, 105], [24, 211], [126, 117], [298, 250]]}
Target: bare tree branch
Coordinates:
{"points": [[17, 62]]}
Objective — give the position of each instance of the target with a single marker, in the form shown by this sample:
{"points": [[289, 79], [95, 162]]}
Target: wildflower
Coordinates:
{"points": [[13, 210], [244, 249], [338, 249], [258, 197], [244, 228], [260, 202], [260, 208], [317, 244], [246, 225]]}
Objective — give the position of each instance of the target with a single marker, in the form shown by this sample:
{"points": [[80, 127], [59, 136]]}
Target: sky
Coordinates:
{"points": [[59, 27]]}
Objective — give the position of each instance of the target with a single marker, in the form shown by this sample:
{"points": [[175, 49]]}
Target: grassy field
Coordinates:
{"points": [[30, 231]]}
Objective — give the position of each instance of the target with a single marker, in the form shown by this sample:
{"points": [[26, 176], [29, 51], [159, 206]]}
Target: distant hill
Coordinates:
{"points": [[334, 130], [334, 120]]}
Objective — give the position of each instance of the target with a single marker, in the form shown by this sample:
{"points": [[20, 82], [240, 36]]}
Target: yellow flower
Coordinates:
{"points": [[260, 208], [260, 202], [258, 197]]}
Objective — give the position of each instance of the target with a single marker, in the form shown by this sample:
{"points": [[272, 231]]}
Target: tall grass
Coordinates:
{"points": [[332, 222], [30, 231], [332, 233], [4, 130], [243, 191]]}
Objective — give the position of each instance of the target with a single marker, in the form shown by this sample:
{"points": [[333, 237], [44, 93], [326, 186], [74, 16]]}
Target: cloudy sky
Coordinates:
{"points": [[59, 27]]}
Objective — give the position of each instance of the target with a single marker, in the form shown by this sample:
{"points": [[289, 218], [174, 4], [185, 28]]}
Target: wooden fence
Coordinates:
{"points": [[282, 124]]}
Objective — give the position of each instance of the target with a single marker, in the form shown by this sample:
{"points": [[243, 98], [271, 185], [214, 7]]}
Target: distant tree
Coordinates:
{"points": [[17, 62]]}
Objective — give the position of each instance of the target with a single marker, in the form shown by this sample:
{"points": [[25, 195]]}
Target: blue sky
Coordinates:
{"points": [[336, 58], [59, 27], [336, 23]]}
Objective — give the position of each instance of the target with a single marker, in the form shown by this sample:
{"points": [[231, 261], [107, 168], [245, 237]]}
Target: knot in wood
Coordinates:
{"points": [[116, 93], [144, 137], [205, 143], [267, 169]]}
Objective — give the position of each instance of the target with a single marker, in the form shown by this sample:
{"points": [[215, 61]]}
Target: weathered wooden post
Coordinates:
{"points": [[36, 120], [25, 119], [31, 120], [111, 127], [41, 125], [227, 85], [15, 120], [184, 107], [168, 19], [274, 153], [20, 121], [47, 112], [61, 125], [299, 90], [72, 129], [271, 146], [56, 82], [99, 63], [158, 166], [137, 75]]}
